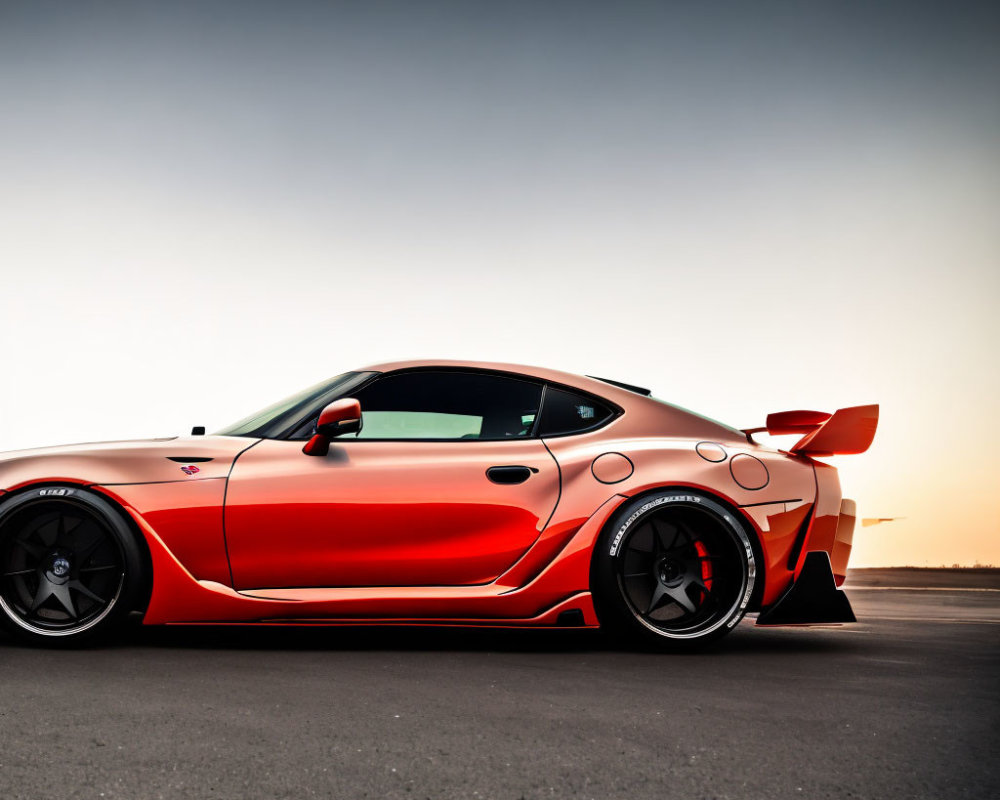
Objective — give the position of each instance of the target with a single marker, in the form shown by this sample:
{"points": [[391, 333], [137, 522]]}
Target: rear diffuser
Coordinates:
{"points": [[813, 598]]}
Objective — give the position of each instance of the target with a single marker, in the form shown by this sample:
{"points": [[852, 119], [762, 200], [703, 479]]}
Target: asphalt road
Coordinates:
{"points": [[904, 704]]}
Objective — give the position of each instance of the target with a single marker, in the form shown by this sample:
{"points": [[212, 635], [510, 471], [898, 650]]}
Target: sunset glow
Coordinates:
{"points": [[198, 216]]}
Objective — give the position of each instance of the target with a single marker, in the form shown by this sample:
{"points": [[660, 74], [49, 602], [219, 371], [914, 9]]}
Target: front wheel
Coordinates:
{"points": [[673, 570], [70, 567]]}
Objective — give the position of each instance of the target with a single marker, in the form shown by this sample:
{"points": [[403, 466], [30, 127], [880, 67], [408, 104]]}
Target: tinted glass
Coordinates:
{"points": [[448, 405], [569, 412], [260, 423], [420, 425]]}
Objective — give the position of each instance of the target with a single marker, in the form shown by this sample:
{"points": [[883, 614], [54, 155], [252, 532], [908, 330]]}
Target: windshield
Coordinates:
{"points": [[262, 422]]}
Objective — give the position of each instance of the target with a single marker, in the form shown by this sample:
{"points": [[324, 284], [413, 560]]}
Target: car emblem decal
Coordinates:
{"points": [[189, 469]]}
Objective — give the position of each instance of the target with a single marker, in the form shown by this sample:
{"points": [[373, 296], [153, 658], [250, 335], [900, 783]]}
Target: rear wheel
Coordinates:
{"points": [[70, 568], [674, 569]]}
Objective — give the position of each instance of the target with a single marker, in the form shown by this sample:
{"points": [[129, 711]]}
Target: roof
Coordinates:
{"points": [[593, 385], [644, 415]]}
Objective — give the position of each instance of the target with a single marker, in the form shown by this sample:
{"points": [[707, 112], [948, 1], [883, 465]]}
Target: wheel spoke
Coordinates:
{"points": [[657, 538], [659, 529], [683, 547], [48, 533], [61, 593], [42, 593], [635, 548], [32, 549], [65, 529], [78, 586], [102, 567], [658, 592], [677, 532], [708, 592], [83, 553], [19, 572], [61, 531], [680, 596], [692, 566]]}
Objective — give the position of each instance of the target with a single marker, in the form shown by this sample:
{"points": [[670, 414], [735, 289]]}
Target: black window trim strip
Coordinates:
{"points": [[616, 410]]}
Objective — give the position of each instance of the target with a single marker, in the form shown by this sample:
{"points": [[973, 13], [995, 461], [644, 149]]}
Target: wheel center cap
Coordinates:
{"points": [[60, 567], [670, 572]]}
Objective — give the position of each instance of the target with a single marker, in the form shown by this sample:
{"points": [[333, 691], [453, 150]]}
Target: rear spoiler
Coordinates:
{"points": [[845, 432]]}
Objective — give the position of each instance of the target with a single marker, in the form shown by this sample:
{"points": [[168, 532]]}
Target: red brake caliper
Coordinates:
{"points": [[706, 568]]}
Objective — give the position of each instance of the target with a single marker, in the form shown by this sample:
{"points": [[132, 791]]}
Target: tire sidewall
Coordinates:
{"points": [[613, 610], [125, 538]]}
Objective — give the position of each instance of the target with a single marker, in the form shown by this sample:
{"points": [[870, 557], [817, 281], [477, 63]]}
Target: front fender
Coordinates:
{"points": [[187, 518], [108, 463]]}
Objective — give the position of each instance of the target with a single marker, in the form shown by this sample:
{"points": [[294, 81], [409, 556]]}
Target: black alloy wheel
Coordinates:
{"points": [[674, 569], [69, 566]]}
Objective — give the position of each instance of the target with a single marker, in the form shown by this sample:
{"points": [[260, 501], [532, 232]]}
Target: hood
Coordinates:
{"points": [[139, 461]]}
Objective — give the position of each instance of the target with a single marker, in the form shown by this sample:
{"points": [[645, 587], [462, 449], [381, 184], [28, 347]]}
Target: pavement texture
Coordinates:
{"points": [[904, 704]]}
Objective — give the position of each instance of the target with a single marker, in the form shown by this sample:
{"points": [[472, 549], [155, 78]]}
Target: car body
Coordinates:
{"points": [[437, 512]]}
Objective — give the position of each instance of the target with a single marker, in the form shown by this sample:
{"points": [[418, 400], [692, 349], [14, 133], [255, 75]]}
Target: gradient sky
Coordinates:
{"points": [[748, 207]]}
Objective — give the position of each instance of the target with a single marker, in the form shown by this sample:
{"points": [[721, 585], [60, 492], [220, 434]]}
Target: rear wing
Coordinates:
{"points": [[845, 432]]}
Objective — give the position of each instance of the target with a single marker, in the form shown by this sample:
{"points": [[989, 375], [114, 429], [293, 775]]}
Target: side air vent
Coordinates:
{"points": [[570, 618], [188, 459]]}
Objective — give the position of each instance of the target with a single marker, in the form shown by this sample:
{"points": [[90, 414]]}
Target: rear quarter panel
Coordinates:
{"points": [[775, 511]]}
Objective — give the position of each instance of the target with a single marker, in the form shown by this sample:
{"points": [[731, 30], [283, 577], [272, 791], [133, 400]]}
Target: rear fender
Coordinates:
{"points": [[773, 510]]}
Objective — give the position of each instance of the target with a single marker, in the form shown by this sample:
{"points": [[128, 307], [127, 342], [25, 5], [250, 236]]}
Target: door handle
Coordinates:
{"points": [[509, 474]]}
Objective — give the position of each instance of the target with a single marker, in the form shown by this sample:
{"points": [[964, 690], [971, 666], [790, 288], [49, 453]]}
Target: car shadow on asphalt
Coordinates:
{"points": [[745, 640]]}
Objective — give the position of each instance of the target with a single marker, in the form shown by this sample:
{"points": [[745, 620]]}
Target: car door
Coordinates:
{"points": [[444, 486]]}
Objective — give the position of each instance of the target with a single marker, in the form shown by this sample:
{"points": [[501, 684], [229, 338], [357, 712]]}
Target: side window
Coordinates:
{"points": [[448, 405], [569, 412]]}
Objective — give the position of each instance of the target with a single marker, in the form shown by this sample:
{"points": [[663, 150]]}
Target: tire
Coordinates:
{"points": [[672, 570], [70, 566]]}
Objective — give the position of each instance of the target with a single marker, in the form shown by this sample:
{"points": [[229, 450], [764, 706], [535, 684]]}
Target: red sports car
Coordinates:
{"points": [[433, 492]]}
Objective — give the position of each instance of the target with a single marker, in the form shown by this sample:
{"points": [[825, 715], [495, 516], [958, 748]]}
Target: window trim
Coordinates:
{"points": [[377, 376], [616, 410]]}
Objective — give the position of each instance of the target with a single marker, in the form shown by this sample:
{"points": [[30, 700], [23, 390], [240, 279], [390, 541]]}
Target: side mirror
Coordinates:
{"points": [[340, 417]]}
